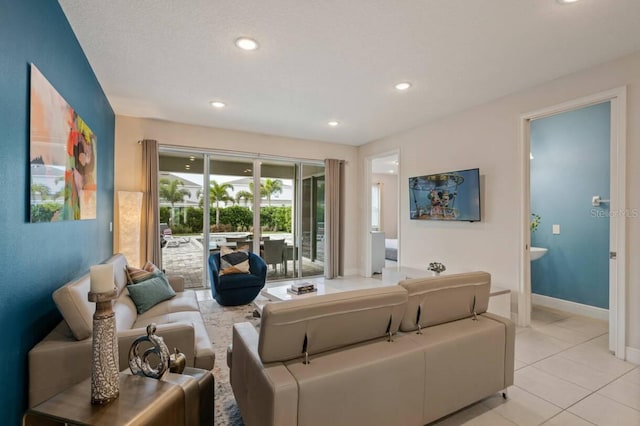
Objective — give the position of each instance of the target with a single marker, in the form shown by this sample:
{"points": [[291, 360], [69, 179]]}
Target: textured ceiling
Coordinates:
{"points": [[329, 59]]}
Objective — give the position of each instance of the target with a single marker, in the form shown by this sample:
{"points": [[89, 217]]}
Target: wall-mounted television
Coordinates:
{"points": [[446, 196]]}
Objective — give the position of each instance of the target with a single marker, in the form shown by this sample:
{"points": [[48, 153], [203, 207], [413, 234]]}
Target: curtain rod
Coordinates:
{"points": [[240, 154]]}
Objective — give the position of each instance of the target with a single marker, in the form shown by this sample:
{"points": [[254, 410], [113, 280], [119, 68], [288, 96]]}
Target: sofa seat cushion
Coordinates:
{"points": [[464, 362], [203, 351], [384, 382]]}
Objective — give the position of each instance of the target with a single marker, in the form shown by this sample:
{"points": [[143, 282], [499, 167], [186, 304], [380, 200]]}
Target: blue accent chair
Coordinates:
{"points": [[237, 289]]}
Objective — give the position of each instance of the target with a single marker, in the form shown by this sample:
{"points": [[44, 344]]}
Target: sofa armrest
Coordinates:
{"points": [[510, 344], [176, 282], [266, 394], [179, 335], [56, 363]]}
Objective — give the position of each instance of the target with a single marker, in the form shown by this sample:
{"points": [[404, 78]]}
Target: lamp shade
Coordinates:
{"points": [[129, 225]]}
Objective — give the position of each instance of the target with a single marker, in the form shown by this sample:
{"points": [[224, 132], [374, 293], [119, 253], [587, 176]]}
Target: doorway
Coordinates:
{"points": [[615, 293], [383, 225]]}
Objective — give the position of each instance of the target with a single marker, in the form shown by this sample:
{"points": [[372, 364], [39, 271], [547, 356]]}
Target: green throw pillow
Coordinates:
{"points": [[149, 293]]}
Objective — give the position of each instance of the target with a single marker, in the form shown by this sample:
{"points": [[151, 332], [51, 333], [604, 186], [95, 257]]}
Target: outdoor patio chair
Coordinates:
{"points": [[274, 253]]}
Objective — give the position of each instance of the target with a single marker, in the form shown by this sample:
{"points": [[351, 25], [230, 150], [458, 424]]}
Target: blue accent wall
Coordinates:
{"points": [[570, 166], [35, 259]]}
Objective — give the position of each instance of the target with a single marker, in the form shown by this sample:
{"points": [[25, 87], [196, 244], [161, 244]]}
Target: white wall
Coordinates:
{"points": [[389, 208], [128, 161], [488, 137]]}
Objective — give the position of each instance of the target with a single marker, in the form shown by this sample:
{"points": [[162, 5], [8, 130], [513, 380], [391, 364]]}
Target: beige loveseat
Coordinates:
{"points": [[398, 355], [63, 358]]}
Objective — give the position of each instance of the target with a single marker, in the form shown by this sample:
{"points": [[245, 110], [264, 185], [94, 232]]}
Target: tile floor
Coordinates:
{"points": [[564, 375]]}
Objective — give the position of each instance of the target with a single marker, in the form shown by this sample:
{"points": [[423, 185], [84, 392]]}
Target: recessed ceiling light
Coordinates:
{"points": [[246, 43], [390, 171], [403, 86], [333, 123], [567, 1], [218, 104]]}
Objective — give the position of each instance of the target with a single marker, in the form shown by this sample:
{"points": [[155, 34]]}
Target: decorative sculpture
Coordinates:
{"points": [[139, 365]]}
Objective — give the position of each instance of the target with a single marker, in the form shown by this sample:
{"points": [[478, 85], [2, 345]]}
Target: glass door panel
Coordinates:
{"points": [[230, 201], [181, 225], [277, 218], [312, 220]]}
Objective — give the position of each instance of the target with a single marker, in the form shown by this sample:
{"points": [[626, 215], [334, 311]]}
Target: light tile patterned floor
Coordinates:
{"points": [[565, 376]]}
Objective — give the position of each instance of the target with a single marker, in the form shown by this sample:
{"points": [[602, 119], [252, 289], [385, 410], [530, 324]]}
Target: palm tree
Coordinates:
{"points": [[219, 192], [247, 196], [271, 187], [171, 192]]}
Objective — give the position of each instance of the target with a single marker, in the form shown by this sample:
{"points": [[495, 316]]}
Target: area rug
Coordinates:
{"points": [[219, 322]]}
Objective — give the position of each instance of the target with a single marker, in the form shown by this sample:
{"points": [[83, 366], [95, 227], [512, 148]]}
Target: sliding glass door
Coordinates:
{"points": [[180, 186], [274, 207]]}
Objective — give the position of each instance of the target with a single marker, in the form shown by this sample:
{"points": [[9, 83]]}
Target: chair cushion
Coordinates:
{"points": [[233, 261], [149, 293], [235, 281]]}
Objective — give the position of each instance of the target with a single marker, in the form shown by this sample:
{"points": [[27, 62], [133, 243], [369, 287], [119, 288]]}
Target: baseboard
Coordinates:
{"points": [[572, 307], [633, 355]]}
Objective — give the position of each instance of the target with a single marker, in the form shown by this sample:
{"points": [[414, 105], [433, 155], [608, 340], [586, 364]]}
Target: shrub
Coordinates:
{"points": [[236, 216], [165, 214], [223, 227], [181, 229], [276, 218], [195, 219]]}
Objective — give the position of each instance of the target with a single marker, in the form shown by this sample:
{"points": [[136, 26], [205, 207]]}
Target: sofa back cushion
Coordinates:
{"points": [[320, 323], [73, 303], [445, 298], [119, 270]]}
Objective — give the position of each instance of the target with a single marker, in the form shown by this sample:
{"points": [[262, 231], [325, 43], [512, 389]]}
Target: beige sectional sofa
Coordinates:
{"points": [[63, 358], [398, 355]]}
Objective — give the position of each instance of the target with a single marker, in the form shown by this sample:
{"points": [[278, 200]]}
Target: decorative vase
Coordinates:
{"points": [[105, 380]]}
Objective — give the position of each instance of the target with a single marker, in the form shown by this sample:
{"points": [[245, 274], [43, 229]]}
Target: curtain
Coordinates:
{"points": [[151, 211], [334, 214]]}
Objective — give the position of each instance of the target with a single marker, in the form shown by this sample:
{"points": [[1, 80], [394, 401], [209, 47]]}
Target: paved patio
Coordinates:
{"points": [[185, 259]]}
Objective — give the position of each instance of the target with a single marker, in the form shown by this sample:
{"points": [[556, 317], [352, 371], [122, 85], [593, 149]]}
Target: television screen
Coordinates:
{"points": [[446, 196]]}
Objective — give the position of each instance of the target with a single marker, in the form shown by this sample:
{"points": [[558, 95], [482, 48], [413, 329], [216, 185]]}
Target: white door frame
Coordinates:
{"points": [[368, 172], [617, 226]]}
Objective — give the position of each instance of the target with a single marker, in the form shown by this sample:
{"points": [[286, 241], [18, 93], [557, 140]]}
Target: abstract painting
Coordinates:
{"points": [[62, 157]]}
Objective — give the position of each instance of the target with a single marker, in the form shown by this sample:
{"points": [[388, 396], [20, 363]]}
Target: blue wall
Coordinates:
{"points": [[35, 259], [570, 166]]}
